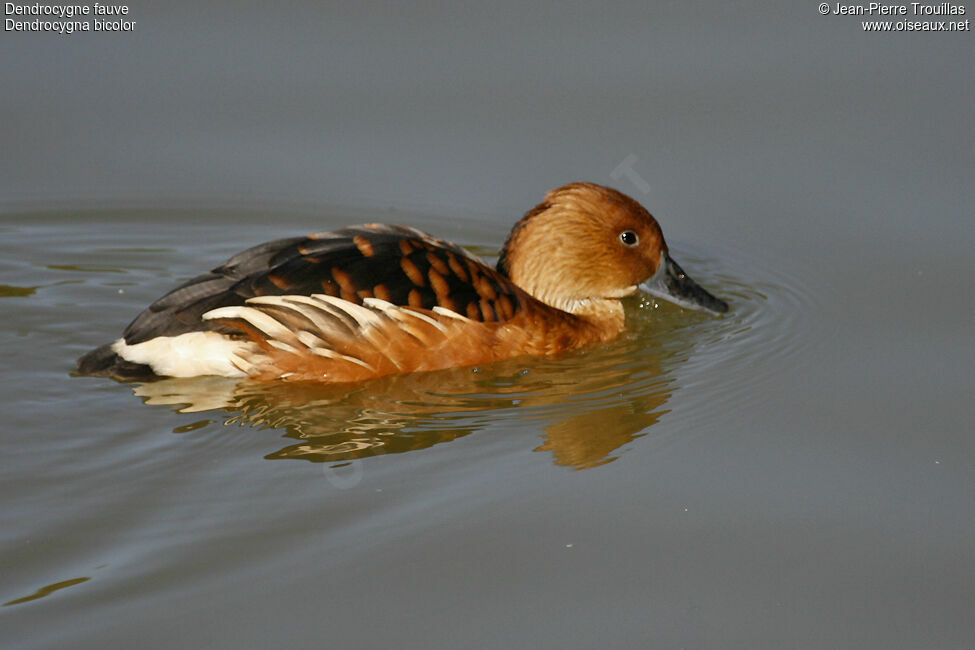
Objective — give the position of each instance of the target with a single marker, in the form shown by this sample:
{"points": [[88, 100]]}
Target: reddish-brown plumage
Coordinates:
{"points": [[374, 300], [536, 330]]}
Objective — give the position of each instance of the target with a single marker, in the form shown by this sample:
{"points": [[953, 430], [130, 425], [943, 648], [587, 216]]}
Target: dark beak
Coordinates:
{"points": [[672, 284]]}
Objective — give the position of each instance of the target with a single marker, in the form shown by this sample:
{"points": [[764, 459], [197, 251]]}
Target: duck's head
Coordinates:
{"points": [[587, 242]]}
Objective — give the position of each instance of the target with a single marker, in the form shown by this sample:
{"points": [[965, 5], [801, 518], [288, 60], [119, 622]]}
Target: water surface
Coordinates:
{"points": [[798, 473]]}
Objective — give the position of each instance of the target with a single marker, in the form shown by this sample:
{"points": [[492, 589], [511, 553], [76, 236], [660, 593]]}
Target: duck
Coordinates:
{"points": [[372, 300]]}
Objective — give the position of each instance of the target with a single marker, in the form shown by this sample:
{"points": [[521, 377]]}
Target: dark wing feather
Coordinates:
{"points": [[400, 265]]}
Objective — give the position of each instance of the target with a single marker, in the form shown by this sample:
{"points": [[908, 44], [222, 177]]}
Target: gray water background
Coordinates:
{"points": [[798, 474]]}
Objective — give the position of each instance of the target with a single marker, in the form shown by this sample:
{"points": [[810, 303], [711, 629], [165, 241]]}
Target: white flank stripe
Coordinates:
{"points": [[269, 300], [399, 313], [323, 316], [254, 316], [284, 347], [332, 354], [242, 364], [450, 314], [379, 303], [426, 318], [310, 340], [363, 316]]}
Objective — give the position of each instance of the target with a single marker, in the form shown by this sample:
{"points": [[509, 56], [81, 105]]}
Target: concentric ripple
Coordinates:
{"points": [[764, 333]]}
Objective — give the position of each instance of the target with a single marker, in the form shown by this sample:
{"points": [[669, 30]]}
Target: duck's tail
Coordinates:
{"points": [[104, 362]]}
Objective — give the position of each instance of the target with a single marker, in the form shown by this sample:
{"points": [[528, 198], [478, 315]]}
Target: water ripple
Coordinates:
{"points": [[765, 333]]}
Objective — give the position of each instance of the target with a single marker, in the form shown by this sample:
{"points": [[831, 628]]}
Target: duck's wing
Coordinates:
{"points": [[398, 265]]}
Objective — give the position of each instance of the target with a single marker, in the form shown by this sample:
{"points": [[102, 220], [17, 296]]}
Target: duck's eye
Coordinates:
{"points": [[629, 238]]}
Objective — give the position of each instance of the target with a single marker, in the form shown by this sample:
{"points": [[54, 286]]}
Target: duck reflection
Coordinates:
{"points": [[588, 404]]}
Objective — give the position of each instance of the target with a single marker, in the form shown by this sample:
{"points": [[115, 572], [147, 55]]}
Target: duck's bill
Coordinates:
{"points": [[672, 284]]}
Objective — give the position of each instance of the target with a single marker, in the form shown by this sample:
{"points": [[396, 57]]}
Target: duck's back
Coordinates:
{"points": [[398, 265]]}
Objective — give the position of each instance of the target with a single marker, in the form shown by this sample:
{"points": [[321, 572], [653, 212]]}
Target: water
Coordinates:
{"points": [[795, 474]]}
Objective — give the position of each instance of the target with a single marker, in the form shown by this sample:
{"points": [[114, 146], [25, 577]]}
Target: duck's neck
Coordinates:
{"points": [[604, 315]]}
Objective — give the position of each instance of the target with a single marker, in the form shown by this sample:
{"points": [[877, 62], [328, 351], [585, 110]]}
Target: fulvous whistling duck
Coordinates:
{"points": [[374, 300]]}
